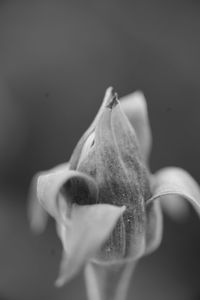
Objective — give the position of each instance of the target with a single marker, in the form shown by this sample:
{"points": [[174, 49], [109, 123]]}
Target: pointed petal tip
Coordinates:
{"points": [[59, 282], [112, 101], [109, 90], [110, 98]]}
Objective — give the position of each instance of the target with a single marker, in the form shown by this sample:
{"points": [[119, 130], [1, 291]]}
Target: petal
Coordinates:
{"points": [[154, 226], [38, 217], [75, 186], [135, 108], [176, 181], [81, 228], [77, 153], [174, 208], [82, 235]]}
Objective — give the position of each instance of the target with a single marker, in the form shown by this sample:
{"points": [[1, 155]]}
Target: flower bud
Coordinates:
{"points": [[111, 156], [104, 200]]}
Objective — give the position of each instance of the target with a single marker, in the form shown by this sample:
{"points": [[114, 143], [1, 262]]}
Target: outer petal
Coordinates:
{"points": [[135, 107], [83, 234], [82, 228], [37, 215], [175, 181]]}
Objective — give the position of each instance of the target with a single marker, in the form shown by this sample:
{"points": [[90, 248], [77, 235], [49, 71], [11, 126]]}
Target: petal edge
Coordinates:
{"points": [[176, 181], [82, 235]]}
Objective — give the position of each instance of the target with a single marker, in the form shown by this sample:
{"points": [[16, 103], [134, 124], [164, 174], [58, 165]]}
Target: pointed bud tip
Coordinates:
{"points": [[112, 100]]}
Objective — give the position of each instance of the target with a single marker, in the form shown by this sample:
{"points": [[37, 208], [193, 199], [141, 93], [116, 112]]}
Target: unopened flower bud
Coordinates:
{"points": [[104, 200], [111, 156]]}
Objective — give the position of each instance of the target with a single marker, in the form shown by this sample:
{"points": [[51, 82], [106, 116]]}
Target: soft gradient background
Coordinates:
{"points": [[56, 60]]}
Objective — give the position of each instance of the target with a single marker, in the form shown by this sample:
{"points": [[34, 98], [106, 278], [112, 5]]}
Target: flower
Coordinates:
{"points": [[105, 200]]}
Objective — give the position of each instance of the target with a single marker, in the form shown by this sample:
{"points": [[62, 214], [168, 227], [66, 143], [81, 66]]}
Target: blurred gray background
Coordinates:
{"points": [[56, 60]]}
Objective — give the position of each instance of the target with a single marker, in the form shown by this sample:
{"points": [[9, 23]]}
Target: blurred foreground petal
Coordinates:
{"points": [[38, 217], [175, 181], [83, 233], [176, 208], [154, 226], [135, 108]]}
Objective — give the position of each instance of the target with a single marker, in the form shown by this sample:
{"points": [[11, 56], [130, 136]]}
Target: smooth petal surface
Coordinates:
{"points": [[176, 181], [175, 208], [135, 108], [83, 233], [37, 215]]}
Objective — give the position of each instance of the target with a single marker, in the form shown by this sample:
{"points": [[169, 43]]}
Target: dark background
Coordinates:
{"points": [[56, 60]]}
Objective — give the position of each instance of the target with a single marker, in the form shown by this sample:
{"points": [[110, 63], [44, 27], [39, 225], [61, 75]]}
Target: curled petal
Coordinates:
{"points": [[175, 181], [135, 108], [83, 234], [37, 215], [81, 228], [75, 186]]}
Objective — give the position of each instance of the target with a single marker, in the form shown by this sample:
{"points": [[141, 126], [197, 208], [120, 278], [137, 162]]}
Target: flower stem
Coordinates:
{"points": [[108, 282]]}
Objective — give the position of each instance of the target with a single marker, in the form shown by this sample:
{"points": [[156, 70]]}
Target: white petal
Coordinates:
{"points": [[175, 181], [135, 108], [83, 234], [37, 215]]}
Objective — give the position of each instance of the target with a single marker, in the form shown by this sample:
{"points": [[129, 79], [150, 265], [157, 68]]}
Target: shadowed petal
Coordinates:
{"points": [[83, 233], [154, 226], [175, 208], [60, 180], [176, 181], [37, 215], [135, 108]]}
